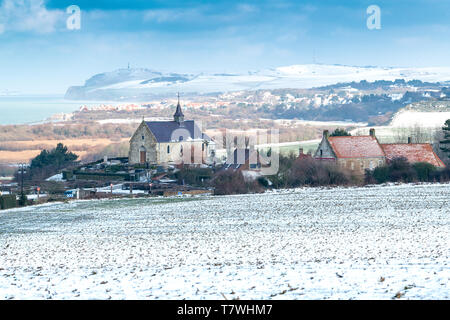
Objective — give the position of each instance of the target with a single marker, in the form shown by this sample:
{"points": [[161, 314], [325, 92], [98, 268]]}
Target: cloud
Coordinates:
{"points": [[170, 15], [29, 16]]}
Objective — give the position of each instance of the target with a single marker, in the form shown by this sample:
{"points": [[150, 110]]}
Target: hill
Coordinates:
{"points": [[141, 84]]}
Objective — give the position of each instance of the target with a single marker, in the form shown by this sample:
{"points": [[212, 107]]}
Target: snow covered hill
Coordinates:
{"points": [[136, 84]]}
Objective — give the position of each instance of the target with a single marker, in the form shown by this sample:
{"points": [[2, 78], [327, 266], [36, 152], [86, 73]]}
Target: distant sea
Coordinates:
{"points": [[33, 109]]}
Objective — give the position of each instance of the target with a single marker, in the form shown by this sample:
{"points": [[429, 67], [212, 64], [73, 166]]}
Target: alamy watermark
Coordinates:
{"points": [[374, 18], [73, 22], [256, 150]]}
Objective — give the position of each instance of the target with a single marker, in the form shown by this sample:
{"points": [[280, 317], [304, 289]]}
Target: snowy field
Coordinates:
{"points": [[379, 242]]}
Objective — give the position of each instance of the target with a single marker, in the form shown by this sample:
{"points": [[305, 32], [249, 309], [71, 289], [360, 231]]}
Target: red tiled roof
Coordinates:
{"points": [[414, 152], [356, 147]]}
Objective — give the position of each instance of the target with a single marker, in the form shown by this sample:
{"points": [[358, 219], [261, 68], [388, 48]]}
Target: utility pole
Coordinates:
{"points": [[21, 187], [22, 195]]}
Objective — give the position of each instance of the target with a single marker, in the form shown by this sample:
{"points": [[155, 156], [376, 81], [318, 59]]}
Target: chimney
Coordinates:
{"points": [[326, 134], [372, 132], [409, 140]]}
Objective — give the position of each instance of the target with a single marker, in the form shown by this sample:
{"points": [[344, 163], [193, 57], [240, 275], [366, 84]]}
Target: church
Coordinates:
{"points": [[170, 142]]}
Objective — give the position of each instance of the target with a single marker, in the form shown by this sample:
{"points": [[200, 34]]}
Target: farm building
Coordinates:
{"points": [[413, 152], [358, 153]]}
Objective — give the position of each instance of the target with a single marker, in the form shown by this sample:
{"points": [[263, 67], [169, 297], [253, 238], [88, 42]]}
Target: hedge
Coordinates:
{"points": [[8, 201]]}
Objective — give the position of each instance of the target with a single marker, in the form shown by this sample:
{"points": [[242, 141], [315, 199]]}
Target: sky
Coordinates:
{"points": [[40, 55]]}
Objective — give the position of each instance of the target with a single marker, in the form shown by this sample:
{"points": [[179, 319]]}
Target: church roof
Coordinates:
{"points": [[178, 112], [163, 130]]}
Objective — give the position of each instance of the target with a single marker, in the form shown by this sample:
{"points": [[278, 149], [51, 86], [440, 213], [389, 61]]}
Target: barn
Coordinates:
{"points": [[358, 153]]}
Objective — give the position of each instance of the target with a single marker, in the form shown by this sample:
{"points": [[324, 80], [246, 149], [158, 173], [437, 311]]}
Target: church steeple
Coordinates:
{"points": [[178, 116]]}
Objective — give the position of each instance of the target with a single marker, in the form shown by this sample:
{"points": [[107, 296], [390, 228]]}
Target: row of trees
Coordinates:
{"points": [[400, 170], [445, 143]]}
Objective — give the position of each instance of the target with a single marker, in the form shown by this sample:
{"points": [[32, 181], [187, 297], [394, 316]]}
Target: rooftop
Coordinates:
{"points": [[168, 131], [356, 147], [414, 152]]}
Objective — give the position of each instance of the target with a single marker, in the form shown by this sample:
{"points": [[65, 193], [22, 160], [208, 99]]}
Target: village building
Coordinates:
{"points": [[243, 159], [413, 152], [304, 156], [170, 142], [358, 153]]}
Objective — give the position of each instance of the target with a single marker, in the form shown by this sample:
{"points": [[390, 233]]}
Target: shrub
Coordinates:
{"points": [[316, 173], [379, 174], [23, 200], [194, 176], [442, 175], [424, 171], [400, 170], [340, 133], [8, 201], [233, 182]]}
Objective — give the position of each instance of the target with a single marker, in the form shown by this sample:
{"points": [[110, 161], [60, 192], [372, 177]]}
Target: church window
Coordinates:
{"points": [[168, 149]]}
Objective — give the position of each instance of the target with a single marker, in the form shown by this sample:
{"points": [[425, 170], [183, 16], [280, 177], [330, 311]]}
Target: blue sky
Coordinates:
{"points": [[39, 55]]}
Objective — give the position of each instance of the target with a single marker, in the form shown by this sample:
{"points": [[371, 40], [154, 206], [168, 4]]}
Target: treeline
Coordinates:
{"points": [[383, 84], [400, 170], [66, 131]]}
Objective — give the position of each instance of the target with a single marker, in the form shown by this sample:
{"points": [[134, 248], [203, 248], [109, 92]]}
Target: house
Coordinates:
{"points": [[304, 156], [170, 142], [246, 160], [356, 153], [413, 152]]}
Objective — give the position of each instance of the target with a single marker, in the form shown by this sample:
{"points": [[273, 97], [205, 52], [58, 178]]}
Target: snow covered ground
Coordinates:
{"points": [[411, 118], [314, 243]]}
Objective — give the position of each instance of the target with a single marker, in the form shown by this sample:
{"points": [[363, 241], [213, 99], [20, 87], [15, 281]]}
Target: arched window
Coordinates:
{"points": [[168, 149], [181, 138]]}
